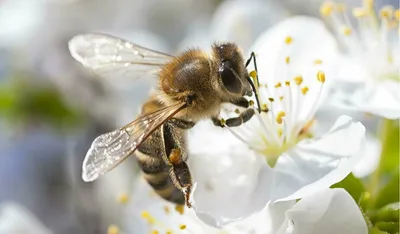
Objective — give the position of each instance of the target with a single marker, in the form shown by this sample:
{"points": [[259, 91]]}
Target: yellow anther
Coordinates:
{"points": [[298, 80], [318, 61], [123, 198], [281, 98], [288, 40], [182, 226], [271, 99], [304, 90], [251, 103], [279, 117], [166, 209], [397, 14], [237, 111], [359, 12], [287, 83], [253, 74], [346, 30], [386, 12], [278, 85], [326, 8], [148, 217], [113, 229], [321, 76], [180, 209], [341, 7], [169, 232], [154, 232], [287, 59], [264, 107], [223, 122]]}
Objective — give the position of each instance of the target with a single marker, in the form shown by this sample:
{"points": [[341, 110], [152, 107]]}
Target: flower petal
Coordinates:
{"points": [[371, 159], [382, 99], [318, 163], [311, 41], [327, 211], [17, 219], [242, 22]]}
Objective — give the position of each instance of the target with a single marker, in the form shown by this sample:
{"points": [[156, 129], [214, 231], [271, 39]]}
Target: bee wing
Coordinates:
{"points": [[112, 57], [110, 149]]}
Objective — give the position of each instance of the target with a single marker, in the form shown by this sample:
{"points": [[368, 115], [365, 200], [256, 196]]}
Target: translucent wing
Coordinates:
{"points": [[110, 149], [112, 57]]}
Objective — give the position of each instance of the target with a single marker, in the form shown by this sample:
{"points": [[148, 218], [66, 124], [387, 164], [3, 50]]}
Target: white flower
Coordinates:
{"points": [[368, 72], [233, 180], [326, 211], [16, 219]]}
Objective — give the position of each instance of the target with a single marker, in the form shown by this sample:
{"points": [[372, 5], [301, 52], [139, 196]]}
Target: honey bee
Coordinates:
{"points": [[191, 86]]}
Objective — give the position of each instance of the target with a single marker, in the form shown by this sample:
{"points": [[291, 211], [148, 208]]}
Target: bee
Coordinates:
{"points": [[191, 86]]}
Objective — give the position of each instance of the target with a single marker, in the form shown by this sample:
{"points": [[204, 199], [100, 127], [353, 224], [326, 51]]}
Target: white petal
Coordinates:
{"points": [[378, 98], [371, 159], [327, 211], [17, 219], [241, 21], [318, 163], [311, 41]]}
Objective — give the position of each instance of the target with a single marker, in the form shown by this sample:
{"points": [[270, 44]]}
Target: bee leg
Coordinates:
{"points": [[180, 175], [236, 121], [242, 102], [182, 124]]}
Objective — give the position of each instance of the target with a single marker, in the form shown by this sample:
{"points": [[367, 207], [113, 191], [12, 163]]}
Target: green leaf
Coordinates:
{"points": [[390, 227], [353, 186], [389, 193], [388, 213], [390, 152]]}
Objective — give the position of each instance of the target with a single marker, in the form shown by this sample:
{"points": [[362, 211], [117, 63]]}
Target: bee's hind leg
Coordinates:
{"points": [[180, 174]]}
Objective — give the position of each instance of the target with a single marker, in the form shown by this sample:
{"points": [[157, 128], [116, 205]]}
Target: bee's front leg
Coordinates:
{"points": [[236, 121]]}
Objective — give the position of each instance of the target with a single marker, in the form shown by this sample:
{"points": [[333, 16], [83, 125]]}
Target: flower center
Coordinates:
{"points": [[374, 40], [288, 104]]}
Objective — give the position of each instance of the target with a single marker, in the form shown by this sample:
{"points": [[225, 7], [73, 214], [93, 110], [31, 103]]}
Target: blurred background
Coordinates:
{"points": [[51, 108]]}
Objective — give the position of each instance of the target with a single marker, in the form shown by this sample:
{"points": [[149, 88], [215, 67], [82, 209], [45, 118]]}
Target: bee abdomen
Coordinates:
{"points": [[156, 173]]}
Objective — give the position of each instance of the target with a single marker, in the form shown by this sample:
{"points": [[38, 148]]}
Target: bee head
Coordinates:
{"points": [[231, 69]]}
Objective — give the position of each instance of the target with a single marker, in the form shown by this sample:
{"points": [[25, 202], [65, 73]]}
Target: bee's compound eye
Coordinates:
{"points": [[229, 78]]}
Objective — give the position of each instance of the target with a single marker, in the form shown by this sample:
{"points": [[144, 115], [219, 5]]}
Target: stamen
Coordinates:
{"points": [[346, 30], [237, 111], [251, 103], [279, 116], [253, 74], [281, 98], [287, 83], [298, 80], [318, 61], [288, 40], [169, 232], [278, 85], [264, 107], [271, 99], [182, 226], [287, 59], [397, 14], [167, 210], [123, 198], [154, 232], [113, 229], [321, 76], [369, 4], [386, 12], [148, 217], [304, 90], [326, 9], [180, 209], [359, 12]]}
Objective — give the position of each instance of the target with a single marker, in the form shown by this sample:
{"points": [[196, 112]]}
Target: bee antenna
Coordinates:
{"points": [[253, 57]]}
